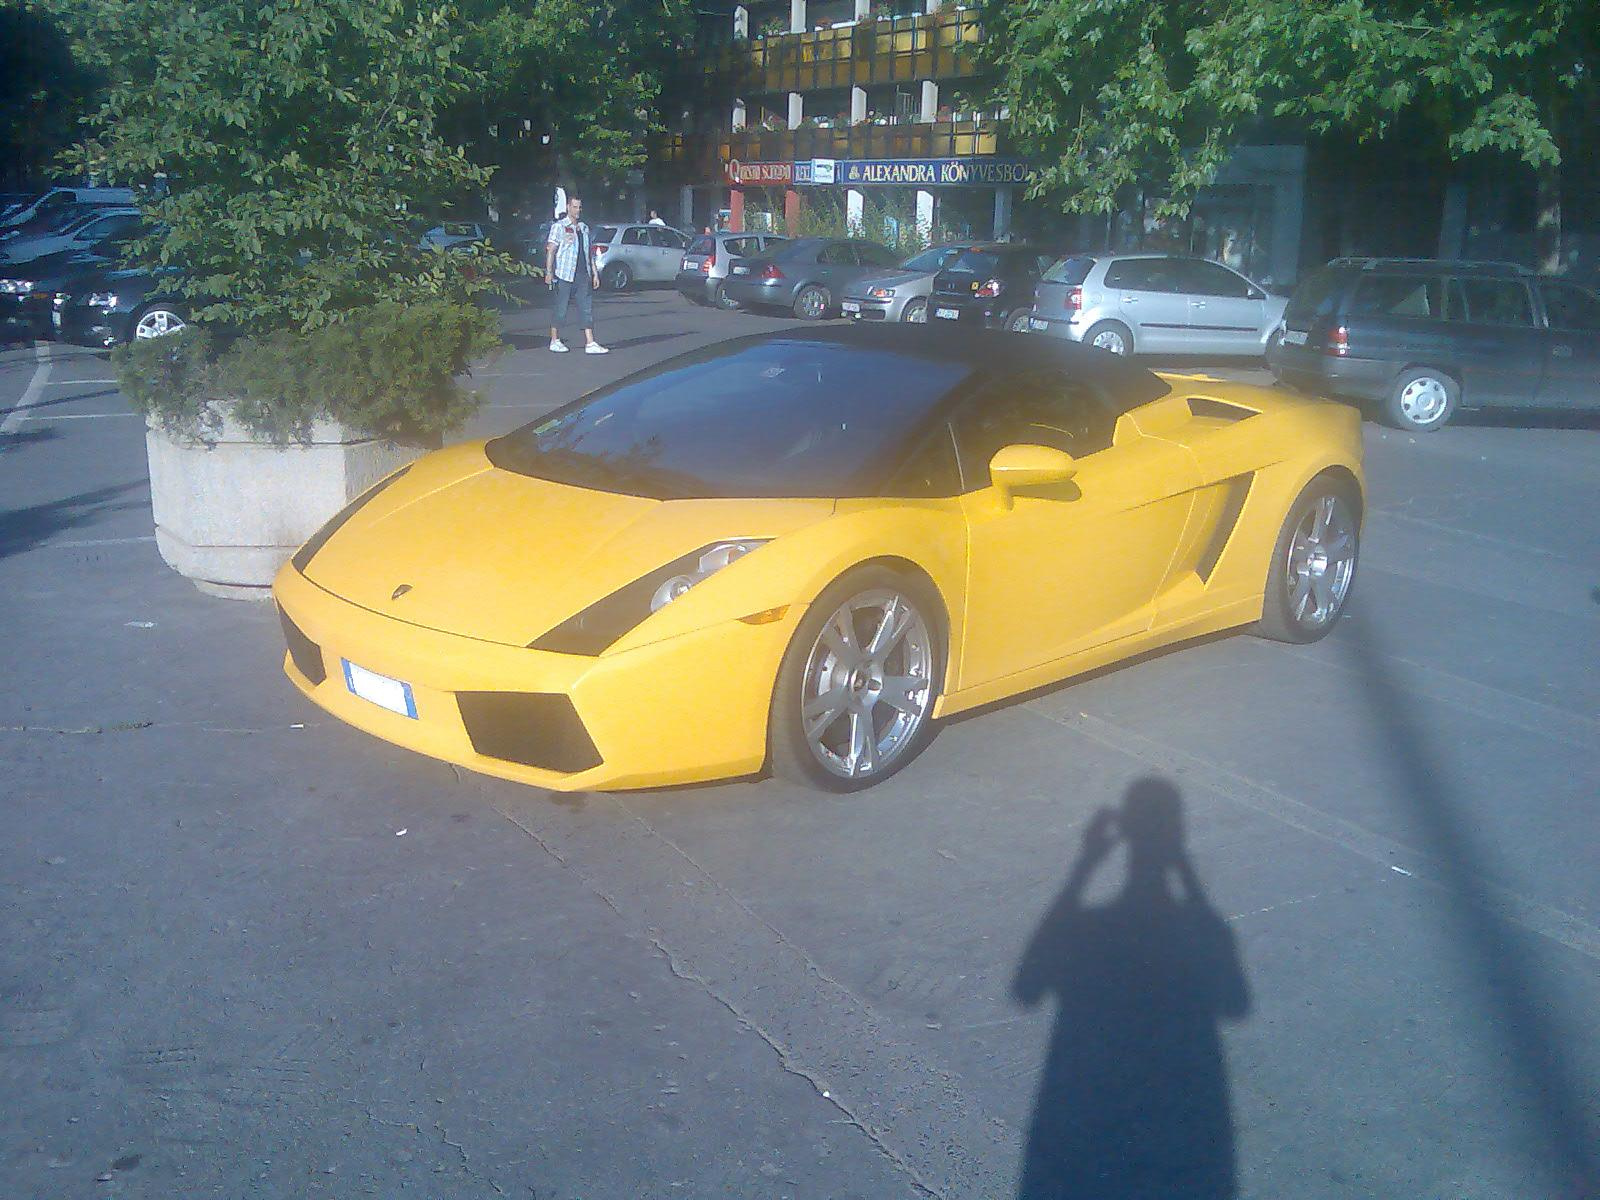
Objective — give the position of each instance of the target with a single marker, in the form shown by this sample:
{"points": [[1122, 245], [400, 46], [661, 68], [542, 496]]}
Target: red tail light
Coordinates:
{"points": [[989, 289], [711, 261], [1338, 343], [771, 271], [1072, 299], [600, 249]]}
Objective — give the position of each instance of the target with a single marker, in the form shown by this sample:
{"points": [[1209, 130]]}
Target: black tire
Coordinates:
{"points": [[618, 277], [1281, 619], [812, 302], [790, 755], [722, 300], [1423, 399], [1017, 320], [915, 312], [1113, 334], [157, 312]]}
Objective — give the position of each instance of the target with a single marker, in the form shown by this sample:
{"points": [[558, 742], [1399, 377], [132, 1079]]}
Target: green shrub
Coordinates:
{"points": [[389, 370]]}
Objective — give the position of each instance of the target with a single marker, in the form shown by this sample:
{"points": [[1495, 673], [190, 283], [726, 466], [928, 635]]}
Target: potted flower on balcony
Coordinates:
{"points": [[328, 338]]}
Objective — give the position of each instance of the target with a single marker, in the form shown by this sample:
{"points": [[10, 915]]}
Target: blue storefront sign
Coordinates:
{"points": [[931, 172]]}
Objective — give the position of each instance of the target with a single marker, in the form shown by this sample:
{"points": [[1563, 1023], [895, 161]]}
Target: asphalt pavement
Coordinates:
{"points": [[246, 951]]}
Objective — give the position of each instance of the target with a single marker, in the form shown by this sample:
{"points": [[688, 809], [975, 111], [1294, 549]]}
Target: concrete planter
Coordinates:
{"points": [[229, 513]]}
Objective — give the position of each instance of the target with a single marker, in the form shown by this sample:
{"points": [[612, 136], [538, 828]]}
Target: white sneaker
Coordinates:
{"points": [[557, 346], [595, 348]]}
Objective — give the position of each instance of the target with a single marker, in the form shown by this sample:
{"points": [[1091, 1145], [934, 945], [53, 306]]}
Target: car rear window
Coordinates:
{"points": [[740, 247], [703, 245], [1398, 296], [602, 234], [1070, 271], [975, 262], [1316, 299]]}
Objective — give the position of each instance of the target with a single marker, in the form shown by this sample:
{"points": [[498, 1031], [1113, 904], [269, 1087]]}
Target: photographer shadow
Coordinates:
{"points": [[1133, 1103]]}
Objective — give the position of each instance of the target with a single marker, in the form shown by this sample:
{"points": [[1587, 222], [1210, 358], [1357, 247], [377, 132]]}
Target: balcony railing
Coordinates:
{"points": [[870, 51], [702, 158]]}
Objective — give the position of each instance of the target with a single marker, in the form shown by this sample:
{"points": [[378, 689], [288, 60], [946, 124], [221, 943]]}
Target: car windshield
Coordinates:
{"points": [[934, 259], [759, 420]]}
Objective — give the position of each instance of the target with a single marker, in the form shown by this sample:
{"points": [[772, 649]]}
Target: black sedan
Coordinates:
{"points": [[110, 306], [27, 291], [807, 276], [991, 286]]}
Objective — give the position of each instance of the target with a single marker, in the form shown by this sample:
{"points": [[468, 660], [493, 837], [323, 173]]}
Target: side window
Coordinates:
{"points": [[1208, 279], [930, 472], [871, 255], [1132, 274], [837, 252], [1034, 407], [634, 237], [741, 247], [1497, 302], [671, 239], [1571, 308], [1397, 296]]}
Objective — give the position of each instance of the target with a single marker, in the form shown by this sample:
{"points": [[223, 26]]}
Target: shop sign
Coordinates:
{"points": [[760, 173], [933, 172], [814, 171]]}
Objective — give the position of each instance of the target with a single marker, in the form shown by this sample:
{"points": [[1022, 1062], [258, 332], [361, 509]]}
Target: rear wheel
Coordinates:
{"points": [[722, 300], [1017, 322], [1110, 335], [854, 698], [915, 312], [1422, 400], [811, 303], [618, 277], [1313, 563]]}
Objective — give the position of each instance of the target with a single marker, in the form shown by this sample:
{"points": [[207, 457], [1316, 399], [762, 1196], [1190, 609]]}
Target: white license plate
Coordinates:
{"points": [[1294, 337], [948, 314], [1037, 325], [741, 270], [380, 689], [850, 306]]}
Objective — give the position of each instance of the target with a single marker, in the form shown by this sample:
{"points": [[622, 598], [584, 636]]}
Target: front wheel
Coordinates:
{"points": [[1110, 335], [618, 277], [157, 320], [854, 698], [915, 312], [1422, 400], [1313, 564], [812, 303]]}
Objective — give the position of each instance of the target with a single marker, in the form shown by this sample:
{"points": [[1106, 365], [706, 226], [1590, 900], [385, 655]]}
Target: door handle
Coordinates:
{"points": [[1130, 299], [1197, 304], [1561, 352]]}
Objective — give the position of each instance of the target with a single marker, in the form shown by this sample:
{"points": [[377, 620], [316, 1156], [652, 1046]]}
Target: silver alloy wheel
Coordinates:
{"points": [[916, 312], [158, 322], [812, 302], [1018, 322], [868, 684], [1321, 562], [1112, 340], [1423, 399]]}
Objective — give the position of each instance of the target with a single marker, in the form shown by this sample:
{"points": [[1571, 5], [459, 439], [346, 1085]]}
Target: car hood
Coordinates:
{"points": [[490, 554]]}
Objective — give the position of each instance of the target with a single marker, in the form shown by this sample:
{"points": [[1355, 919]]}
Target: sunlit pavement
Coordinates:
{"points": [[245, 951]]}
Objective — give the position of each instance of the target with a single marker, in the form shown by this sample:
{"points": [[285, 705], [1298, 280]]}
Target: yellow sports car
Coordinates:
{"points": [[800, 551]]}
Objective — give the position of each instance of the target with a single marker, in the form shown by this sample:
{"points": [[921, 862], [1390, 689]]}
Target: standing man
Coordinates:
{"points": [[569, 269], [655, 218]]}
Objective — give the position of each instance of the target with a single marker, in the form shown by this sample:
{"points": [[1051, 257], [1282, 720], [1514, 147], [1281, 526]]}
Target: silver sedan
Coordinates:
{"points": [[900, 294]]}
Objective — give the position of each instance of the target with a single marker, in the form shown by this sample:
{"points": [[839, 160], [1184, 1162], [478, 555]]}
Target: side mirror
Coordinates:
{"points": [[1023, 466], [1257, 294]]}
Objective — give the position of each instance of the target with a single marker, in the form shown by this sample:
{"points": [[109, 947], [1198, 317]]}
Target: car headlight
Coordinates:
{"points": [[606, 620], [878, 293], [302, 557], [15, 287], [102, 300]]}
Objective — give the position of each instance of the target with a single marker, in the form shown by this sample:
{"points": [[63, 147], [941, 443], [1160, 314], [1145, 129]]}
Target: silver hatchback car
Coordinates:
{"points": [[629, 254], [705, 264], [1155, 304]]}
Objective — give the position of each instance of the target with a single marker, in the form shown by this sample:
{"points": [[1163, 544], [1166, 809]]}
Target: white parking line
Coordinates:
{"points": [[30, 396], [70, 382]]}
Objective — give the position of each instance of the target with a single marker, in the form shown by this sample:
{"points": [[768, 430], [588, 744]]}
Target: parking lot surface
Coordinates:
{"points": [[247, 951]]}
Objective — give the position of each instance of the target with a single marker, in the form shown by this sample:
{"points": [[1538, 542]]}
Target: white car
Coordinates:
{"points": [[83, 233], [625, 254]]}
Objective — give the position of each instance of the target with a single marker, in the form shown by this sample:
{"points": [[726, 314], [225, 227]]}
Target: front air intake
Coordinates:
{"points": [[531, 728], [305, 653]]}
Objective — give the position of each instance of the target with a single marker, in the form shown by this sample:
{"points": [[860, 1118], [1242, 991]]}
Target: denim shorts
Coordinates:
{"points": [[581, 291]]}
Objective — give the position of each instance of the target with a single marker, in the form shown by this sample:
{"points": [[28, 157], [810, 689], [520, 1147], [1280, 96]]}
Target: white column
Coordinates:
{"points": [[740, 114], [858, 104], [1002, 211], [863, 9], [930, 101], [925, 215], [797, 109], [741, 21], [686, 206], [797, 16], [853, 203], [934, 5]]}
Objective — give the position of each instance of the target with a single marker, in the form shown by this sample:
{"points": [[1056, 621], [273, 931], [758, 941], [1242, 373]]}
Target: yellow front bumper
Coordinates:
{"points": [[683, 710]]}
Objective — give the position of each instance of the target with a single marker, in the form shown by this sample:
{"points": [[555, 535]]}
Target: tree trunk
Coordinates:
{"points": [[1547, 226]]}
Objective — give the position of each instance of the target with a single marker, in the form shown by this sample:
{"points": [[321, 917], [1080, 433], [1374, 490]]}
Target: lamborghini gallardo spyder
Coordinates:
{"points": [[798, 552]]}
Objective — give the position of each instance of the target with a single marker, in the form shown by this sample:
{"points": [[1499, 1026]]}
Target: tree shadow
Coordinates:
{"points": [[1133, 1103], [26, 437], [22, 529]]}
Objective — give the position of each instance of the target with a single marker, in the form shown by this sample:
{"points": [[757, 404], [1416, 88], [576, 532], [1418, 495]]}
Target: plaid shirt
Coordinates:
{"points": [[566, 240]]}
